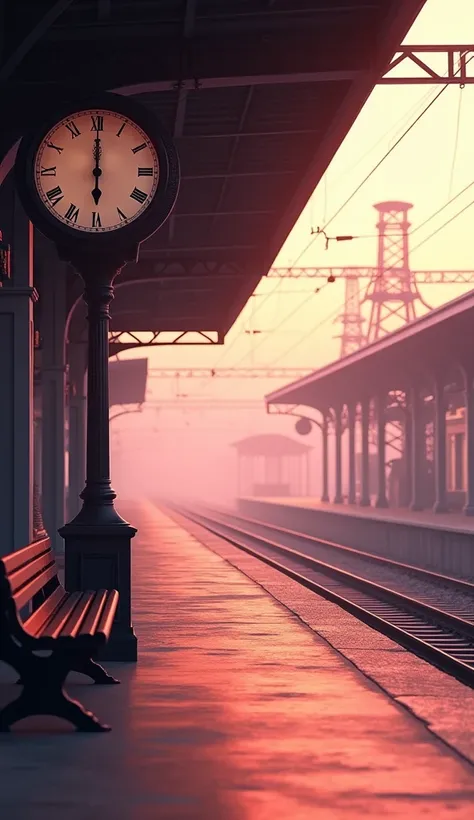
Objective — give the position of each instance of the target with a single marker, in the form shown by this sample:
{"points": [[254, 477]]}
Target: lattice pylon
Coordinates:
{"points": [[352, 336], [392, 289]]}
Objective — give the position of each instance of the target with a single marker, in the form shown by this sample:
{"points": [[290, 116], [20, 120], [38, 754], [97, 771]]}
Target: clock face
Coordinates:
{"points": [[96, 171]]}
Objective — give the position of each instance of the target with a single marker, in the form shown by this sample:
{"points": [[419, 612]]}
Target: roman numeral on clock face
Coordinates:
{"points": [[73, 129], [97, 123], [145, 172], [72, 213], [48, 172], [121, 214], [139, 148], [96, 223], [56, 147], [140, 196], [55, 195]]}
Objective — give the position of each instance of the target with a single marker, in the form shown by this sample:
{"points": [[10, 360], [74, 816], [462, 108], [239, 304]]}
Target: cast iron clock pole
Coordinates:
{"points": [[98, 239], [98, 539]]}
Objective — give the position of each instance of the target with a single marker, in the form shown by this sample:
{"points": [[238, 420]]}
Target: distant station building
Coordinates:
{"points": [[272, 465]]}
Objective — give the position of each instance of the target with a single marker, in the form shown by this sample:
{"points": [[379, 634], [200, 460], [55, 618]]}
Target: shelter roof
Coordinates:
{"points": [[270, 444], [441, 336]]}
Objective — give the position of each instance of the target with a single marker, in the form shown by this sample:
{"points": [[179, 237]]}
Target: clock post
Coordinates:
{"points": [[97, 178], [98, 539]]}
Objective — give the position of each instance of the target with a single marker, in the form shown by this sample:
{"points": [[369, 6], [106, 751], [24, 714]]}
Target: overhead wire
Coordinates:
{"points": [[372, 172], [382, 273], [321, 231], [456, 141], [358, 188], [407, 130]]}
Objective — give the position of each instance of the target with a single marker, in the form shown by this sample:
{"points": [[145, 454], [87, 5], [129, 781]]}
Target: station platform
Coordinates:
{"points": [[440, 541], [252, 699], [455, 521]]}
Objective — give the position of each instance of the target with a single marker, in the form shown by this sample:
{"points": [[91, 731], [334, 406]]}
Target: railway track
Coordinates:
{"points": [[444, 637]]}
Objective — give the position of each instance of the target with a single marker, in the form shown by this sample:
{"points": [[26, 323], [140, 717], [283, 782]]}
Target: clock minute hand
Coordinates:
{"points": [[97, 152]]}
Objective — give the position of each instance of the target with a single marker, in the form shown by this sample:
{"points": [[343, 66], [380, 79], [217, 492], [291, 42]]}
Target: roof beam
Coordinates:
{"points": [[36, 33], [457, 59], [244, 80], [180, 115]]}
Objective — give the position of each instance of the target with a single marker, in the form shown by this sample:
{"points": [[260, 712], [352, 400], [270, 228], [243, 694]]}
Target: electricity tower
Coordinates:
{"points": [[392, 287]]}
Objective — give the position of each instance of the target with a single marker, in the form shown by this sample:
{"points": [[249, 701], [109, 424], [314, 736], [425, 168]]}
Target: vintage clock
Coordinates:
{"points": [[98, 174]]}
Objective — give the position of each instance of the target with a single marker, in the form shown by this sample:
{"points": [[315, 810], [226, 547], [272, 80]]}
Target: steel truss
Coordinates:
{"points": [[456, 61], [126, 339]]}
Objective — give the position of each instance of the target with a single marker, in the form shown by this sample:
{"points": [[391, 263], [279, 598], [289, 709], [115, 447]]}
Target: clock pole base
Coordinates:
{"points": [[122, 646], [98, 556]]}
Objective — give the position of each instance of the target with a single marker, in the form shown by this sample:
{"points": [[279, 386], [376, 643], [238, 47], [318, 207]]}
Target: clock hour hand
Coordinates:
{"points": [[97, 152]]}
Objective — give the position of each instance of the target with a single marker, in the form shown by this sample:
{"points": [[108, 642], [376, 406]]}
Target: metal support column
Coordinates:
{"points": [[380, 403], [441, 504], [352, 465], [468, 373], [77, 356], [16, 395], [338, 454], [418, 448], [407, 455], [53, 315], [325, 457], [364, 500]]}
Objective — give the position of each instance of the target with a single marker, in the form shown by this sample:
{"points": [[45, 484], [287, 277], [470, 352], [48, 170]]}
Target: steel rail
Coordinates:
{"points": [[460, 584], [439, 637]]}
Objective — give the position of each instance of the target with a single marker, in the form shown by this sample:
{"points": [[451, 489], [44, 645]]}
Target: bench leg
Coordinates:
{"points": [[94, 670], [43, 693], [59, 705]]}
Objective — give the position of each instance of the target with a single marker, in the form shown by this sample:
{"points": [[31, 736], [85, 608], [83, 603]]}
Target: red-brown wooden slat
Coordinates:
{"points": [[89, 624], [24, 574], [81, 610], [56, 624], [37, 620], [25, 594], [9, 563], [108, 614]]}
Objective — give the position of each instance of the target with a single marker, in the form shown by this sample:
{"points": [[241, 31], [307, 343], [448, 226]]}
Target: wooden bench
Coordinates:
{"points": [[73, 626]]}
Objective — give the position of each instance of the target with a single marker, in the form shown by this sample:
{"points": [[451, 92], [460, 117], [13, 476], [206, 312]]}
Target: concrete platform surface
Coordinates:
{"points": [[451, 521], [236, 710]]}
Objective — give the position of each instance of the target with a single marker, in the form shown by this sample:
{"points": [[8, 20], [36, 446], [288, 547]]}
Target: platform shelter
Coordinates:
{"points": [[419, 378], [272, 465]]}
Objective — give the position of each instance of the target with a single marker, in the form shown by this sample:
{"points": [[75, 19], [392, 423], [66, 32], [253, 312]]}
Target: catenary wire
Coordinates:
{"points": [[346, 202], [384, 272], [338, 310], [407, 130]]}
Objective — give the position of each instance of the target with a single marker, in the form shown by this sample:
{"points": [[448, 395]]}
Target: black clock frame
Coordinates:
{"points": [[142, 226]]}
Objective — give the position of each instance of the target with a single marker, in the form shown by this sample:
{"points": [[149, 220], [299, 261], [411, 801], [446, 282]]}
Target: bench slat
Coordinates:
{"points": [[81, 610], [40, 617], [27, 592], [23, 575], [10, 563], [104, 626], [89, 624], [60, 618]]}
